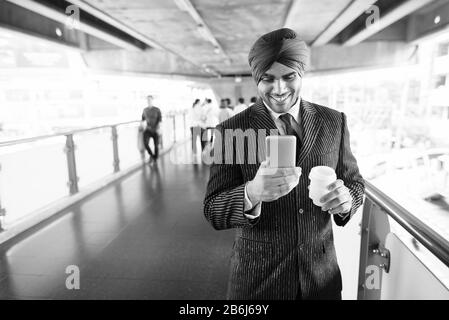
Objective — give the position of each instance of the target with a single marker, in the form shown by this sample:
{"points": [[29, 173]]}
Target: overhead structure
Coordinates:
{"points": [[403, 10], [203, 29], [349, 14], [205, 38], [61, 17]]}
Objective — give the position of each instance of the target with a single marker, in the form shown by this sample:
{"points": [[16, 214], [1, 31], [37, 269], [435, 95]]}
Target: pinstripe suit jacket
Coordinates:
{"points": [[289, 248]]}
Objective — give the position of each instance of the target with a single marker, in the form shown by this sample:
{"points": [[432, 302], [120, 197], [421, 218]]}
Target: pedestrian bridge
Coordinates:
{"points": [[84, 215], [140, 233]]}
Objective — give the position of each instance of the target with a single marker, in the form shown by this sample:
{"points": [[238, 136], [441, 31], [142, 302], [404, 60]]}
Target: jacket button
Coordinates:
{"points": [[301, 211]]}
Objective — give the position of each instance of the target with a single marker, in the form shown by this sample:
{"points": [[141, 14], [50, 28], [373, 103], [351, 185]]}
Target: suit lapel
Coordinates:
{"points": [[311, 124], [260, 118]]}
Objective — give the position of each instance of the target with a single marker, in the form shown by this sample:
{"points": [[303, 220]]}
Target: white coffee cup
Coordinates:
{"points": [[320, 178]]}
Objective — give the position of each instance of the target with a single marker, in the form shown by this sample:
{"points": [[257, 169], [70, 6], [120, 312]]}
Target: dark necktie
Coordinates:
{"points": [[292, 128]]}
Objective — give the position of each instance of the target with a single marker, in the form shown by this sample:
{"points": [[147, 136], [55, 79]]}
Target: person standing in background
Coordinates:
{"points": [[195, 129], [240, 106], [207, 120], [230, 106], [152, 118], [252, 101], [225, 112]]}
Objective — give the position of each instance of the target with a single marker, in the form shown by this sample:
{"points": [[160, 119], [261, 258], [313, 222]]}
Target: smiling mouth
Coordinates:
{"points": [[280, 99]]}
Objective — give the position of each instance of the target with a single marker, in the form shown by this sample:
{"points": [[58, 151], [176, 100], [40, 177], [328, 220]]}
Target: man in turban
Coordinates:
{"points": [[284, 243]]}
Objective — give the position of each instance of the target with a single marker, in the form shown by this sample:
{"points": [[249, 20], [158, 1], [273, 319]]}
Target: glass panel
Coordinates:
{"points": [[396, 284], [94, 155], [399, 129], [128, 145], [167, 131], [436, 266], [181, 127], [31, 176]]}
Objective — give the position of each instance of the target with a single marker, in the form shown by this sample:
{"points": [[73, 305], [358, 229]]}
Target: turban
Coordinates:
{"points": [[278, 46]]}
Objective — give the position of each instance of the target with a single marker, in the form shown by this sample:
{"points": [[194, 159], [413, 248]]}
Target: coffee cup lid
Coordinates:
{"points": [[322, 173]]}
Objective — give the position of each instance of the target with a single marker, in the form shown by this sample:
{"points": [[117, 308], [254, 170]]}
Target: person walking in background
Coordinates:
{"points": [[152, 117], [195, 129], [241, 106]]}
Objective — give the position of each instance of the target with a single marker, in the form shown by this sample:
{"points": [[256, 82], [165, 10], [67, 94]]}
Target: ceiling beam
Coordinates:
{"points": [[344, 19], [290, 16], [202, 28], [386, 20], [62, 18], [115, 23], [135, 34], [86, 28]]}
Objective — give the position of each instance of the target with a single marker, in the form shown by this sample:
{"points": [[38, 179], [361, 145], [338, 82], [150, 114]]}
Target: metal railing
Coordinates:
{"points": [[375, 227], [171, 119], [434, 242]]}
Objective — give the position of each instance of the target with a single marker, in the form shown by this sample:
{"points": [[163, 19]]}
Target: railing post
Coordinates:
{"points": [[375, 227], [2, 210], [364, 249], [2, 217], [71, 164], [174, 127], [185, 124], [115, 149]]}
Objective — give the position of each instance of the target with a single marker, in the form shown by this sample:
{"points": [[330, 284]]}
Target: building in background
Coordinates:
{"points": [[47, 88]]}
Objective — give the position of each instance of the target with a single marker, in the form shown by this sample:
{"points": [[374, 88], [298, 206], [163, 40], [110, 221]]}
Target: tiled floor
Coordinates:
{"points": [[144, 237]]}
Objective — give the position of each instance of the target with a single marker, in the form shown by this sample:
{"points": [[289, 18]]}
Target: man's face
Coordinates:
{"points": [[279, 87], [150, 101]]}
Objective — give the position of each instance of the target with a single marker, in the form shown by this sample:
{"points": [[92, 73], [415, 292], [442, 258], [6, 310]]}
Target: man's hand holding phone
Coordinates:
{"points": [[270, 184]]}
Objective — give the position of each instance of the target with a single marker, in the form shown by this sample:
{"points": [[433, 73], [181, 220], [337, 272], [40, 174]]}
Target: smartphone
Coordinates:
{"points": [[281, 151]]}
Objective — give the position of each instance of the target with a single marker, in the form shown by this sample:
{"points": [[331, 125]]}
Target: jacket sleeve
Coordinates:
{"points": [[348, 171], [225, 195]]}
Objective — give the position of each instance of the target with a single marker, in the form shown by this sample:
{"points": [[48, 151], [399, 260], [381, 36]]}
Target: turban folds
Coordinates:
{"points": [[281, 46]]}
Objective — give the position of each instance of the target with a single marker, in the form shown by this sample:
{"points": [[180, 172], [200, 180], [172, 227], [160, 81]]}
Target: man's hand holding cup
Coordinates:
{"points": [[329, 193], [338, 200]]}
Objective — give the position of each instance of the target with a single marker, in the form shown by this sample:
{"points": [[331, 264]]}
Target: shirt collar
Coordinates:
{"points": [[294, 111]]}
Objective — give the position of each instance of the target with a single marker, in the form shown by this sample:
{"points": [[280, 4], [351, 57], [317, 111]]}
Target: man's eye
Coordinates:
{"points": [[267, 79], [290, 77]]}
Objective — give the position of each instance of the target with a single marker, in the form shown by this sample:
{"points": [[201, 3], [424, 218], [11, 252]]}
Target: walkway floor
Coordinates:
{"points": [[144, 237]]}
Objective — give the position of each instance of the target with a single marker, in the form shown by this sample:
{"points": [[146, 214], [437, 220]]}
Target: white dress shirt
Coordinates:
{"points": [[195, 115], [253, 211], [225, 114]]}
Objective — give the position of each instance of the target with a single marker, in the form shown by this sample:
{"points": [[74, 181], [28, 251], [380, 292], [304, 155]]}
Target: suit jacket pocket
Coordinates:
{"points": [[329, 263], [328, 242], [326, 152], [251, 265], [329, 159], [252, 251]]}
